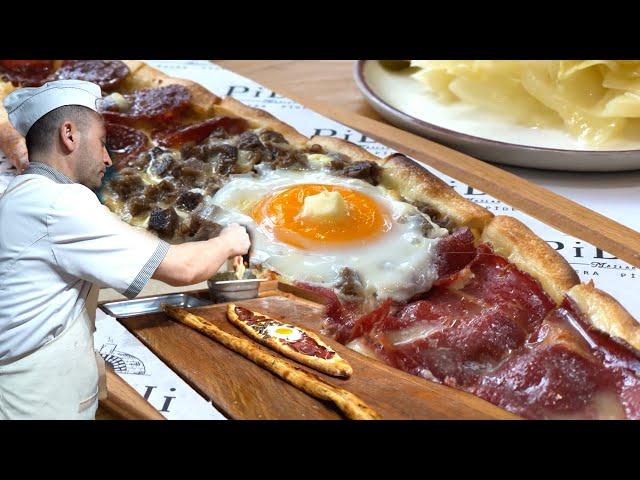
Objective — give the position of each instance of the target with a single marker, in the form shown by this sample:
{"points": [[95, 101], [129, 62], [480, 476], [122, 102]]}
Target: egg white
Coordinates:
{"points": [[293, 336], [397, 264]]}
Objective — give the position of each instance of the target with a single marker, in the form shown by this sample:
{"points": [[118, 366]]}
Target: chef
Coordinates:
{"points": [[59, 245]]}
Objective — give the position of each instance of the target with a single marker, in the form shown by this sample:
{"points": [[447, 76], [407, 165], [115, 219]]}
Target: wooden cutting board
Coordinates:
{"points": [[242, 390]]}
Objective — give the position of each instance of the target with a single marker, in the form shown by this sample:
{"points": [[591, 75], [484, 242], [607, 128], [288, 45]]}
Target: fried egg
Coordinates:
{"points": [[308, 225], [284, 333]]}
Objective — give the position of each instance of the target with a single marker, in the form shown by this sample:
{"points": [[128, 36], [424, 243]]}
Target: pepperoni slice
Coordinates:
{"points": [[199, 131], [25, 73], [155, 104], [244, 314], [106, 73], [124, 142], [248, 316]]}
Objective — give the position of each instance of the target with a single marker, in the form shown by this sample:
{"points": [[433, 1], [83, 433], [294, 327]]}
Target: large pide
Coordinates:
{"points": [[503, 317]]}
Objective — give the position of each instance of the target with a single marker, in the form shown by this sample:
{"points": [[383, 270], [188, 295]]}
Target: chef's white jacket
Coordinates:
{"points": [[56, 241]]}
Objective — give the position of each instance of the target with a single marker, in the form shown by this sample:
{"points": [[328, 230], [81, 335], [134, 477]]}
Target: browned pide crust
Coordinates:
{"points": [[335, 366], [513, 240], [144, 76], [508, 236], [605, 313], [415, 183]]}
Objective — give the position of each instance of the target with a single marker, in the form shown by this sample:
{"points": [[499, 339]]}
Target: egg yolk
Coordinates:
{"points": [[278, 214], [283, 331]]}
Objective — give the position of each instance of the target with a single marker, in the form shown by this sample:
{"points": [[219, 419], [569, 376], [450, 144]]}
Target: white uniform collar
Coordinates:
{"points": [[39, 168]]}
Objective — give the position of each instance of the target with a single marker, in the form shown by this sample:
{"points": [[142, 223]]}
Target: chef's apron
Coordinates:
{"points": [[64, 379]]}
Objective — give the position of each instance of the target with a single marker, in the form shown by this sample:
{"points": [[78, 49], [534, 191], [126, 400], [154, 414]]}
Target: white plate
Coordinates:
{"points": [[486, 135]]}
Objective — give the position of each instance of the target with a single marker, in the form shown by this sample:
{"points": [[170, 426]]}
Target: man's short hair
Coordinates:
{"points": [[40, 136]]}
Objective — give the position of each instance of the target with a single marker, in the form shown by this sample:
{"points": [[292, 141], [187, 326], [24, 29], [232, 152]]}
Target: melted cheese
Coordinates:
{"points": [[413, 333], [358, 345], [319, 161]]}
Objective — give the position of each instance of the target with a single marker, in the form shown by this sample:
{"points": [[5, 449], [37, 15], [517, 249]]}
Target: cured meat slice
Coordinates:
{"points": [[108, 74], [452, 336], [197, 132], [161, 104], [546, 382], [124, 143], [455, 333], [566, 325], [25, 73], [454, 252], [495, 281]]}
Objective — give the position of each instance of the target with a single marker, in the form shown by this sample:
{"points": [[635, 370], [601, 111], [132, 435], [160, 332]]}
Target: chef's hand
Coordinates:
{"points": [[235, 237], [194, 262], [15, 146]]}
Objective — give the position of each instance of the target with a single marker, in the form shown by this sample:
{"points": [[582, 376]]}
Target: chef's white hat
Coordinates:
{"points": [[26, 106]]}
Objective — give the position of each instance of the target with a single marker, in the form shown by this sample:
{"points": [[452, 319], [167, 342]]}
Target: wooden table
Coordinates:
{"points": [[329, 81]]}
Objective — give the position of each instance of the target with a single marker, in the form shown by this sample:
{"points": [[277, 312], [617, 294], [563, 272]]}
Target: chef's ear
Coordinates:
{"points": [[68, 136]]}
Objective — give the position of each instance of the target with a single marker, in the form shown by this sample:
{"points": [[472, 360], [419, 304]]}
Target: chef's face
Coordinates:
{"points": [[93, 158]]}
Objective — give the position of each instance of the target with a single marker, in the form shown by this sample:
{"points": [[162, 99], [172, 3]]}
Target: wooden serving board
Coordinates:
{"points": [[242, 390]]}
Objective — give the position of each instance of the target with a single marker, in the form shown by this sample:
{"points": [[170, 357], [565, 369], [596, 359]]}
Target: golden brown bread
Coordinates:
{"points": [[603, 312], [517, 243], [417, 184]]}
